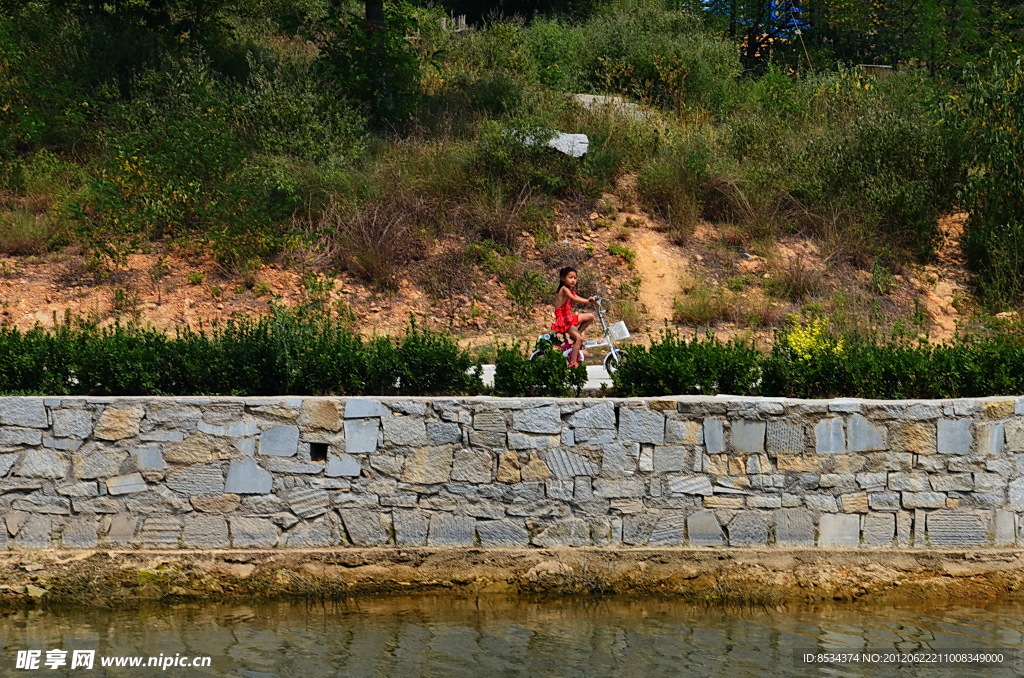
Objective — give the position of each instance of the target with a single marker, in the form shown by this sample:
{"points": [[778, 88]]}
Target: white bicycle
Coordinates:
{"points": [[560, 341]]}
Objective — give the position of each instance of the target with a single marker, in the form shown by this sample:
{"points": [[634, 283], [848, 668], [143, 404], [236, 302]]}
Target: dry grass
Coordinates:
{"points": [[794, 279]]}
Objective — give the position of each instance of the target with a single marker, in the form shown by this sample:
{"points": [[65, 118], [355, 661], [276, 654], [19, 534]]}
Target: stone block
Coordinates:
{"points": [[821, 503], [320, 414], [428, 466], [598, 417], [279, 441], [641, 426], [1006, 531], [450, 530], [534, 469], [760, 502], [668, 458], [794, 527], [198, 448], [839, 529], [749, 528], [410, 528], [990, 440], [884, 501], [148, 459], [684, 432], [443, 433], [637, 528], [615, 488], [868, 481], [200, 480], [856, 502], [916, 437], [703, 529], [288, 466], [118, 423], [80, 532], [12, 437], [34, 533], [954, 436], [248, 532], [122, 529], [904, 528], [714, 436], [161, 531], [504, 533], [7, 463], [829, 437], [529, 441], [342, 466], [997, 409], [990, 482], [909, 482], [689, 484], [1014, 432], [313, 534], [405, 431], [953, 482], [493, 422], [488, 440], [567, 465], [619, 459], [22, 411], [879, 529], [569, 532], [748, 436], [361, 435], [957, 529], [246, 477], [784, 438], [221, 503], [591, 436], [72, 423], [865, 436], [840, 482], [538, 420], [42, 464], [127, 484], [307, 502], [720, 502], [924, 411], [508, 468], [472, 466], [923, 500], [206, 532], [361, 408]]}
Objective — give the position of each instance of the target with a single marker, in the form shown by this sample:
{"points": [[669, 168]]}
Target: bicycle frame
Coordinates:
{"points": [[605, 340]]}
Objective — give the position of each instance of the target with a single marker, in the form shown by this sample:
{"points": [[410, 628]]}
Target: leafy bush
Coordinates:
{"points": [[547, 375], [287, 352], [674, 366], [988, 112]]}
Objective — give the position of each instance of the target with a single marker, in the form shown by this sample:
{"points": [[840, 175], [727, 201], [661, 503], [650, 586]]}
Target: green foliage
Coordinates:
{"points": [[287, 352], [675, 366], [988, 111], [546, 375]]}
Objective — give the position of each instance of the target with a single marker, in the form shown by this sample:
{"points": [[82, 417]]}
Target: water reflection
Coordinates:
{"points": [[499, 636]]}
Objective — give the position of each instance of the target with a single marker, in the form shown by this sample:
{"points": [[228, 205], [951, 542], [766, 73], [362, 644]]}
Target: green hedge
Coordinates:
{"points": [[283, 353], [289, 352], [875, 369]]}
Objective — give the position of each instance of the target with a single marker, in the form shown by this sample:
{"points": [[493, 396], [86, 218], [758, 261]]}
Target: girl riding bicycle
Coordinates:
{"points": [[566, 321]]}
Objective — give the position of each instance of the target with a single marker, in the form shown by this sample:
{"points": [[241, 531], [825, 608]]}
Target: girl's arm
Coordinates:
{"points": [[578, 299]]}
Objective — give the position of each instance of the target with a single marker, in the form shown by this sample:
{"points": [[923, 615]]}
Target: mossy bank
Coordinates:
{"points": [[744, 577]]}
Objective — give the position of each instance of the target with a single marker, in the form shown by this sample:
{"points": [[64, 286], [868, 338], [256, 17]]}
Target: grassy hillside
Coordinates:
{"points": [[257, 132]]}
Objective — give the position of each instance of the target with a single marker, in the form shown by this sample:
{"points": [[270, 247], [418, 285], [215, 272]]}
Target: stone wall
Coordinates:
{"points": [[320, 472]]}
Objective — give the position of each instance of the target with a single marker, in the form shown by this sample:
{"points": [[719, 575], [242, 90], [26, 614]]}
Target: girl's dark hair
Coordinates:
{"points": [[562, 272]]}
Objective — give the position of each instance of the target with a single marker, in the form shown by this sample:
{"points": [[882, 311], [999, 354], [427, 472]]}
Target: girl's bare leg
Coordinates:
{"points": [[577, 343], [585, 320]]}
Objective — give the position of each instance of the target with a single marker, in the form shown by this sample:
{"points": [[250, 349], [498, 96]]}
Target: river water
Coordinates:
{"points": [[497, 636]]}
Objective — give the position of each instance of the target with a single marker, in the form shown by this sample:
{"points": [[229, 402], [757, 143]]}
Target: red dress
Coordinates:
{"points": [[564, 317]]}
